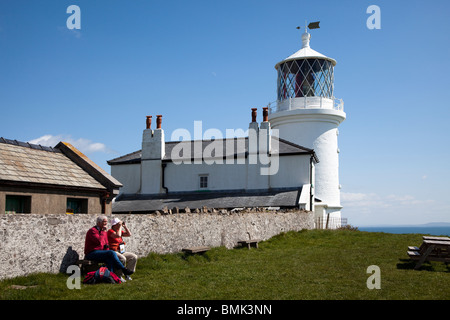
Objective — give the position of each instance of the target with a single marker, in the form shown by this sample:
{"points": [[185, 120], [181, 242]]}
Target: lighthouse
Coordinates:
{"points": [[308, 114]]}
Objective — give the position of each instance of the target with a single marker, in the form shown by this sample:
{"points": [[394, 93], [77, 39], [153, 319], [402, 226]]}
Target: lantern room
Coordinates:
{"points": [[305, 79]]}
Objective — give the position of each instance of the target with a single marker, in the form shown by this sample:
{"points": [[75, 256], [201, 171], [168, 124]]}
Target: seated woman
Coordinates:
{"points": [[116, 243]]}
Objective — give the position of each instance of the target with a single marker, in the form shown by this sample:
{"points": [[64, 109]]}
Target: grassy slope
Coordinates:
{"points": [[316, 264]]}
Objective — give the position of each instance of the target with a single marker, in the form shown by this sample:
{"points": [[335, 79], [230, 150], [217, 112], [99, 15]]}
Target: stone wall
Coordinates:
{"points": [[31, 243]]}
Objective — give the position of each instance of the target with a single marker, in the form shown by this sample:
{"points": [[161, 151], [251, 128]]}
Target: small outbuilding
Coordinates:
{"points": [[52, 180]]}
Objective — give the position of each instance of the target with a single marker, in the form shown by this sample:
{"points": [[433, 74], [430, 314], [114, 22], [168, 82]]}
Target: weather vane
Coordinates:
{"points": [[312, 25]]}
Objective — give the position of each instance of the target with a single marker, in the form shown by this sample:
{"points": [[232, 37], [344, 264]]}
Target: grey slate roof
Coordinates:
{"points": [[240, 149], [21, 162], [89, 166], [218, 200]]}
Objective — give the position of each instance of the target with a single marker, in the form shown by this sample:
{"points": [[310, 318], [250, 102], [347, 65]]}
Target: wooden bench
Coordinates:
{"points": [[430, 250], [194, 250], [249, 243], [414, 248], [88, 265]]}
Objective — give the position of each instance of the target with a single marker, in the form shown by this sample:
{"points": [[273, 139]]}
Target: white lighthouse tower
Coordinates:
{"points": [[308, 114]]}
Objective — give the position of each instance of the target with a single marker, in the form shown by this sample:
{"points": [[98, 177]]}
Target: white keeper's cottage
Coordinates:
{"points": [[289, 160]]}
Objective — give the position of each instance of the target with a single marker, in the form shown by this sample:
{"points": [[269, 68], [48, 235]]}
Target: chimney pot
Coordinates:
{"points": [[266, 114], [254, 114], [158, 121], [149, 122]]}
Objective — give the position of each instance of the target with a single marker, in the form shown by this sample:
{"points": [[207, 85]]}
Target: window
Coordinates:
{"points": [[203, 181], [76, 206], [305, 78], [18, 204]]}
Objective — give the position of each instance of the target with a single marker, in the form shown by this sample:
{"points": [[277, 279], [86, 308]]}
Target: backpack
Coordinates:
{"points": [[102, 275]]}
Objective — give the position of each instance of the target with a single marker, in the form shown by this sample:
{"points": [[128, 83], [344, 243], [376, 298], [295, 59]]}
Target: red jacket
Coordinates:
{"points": [[95, 240], [113, 242]]}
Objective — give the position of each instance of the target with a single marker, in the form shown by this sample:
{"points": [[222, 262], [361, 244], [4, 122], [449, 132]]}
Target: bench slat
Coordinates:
{"points": [[436, 238], [414, 255], [437, 242], [249, 243], [88, 265], [196, 249]]}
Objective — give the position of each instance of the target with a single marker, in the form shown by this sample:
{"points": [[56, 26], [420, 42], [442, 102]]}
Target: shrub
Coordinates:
{"points": [[348, 227]]}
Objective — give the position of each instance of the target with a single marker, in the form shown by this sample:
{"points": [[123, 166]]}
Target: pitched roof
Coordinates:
{"points": [[217, 199], [88, 165], [240, 148], [22, 162]]}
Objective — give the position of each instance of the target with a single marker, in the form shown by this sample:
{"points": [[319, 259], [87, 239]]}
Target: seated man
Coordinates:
{"points": [[96, 247]]}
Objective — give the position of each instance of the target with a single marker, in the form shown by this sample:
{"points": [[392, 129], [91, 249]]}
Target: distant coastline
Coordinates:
{"points": [[429, 224], [433, 228]]}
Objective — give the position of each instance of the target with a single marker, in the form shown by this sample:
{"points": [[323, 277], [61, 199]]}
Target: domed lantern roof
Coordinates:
{"points": [[306, 52]]}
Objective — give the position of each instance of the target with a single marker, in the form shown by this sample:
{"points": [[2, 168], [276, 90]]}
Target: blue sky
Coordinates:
{"points": [[214, 60]]}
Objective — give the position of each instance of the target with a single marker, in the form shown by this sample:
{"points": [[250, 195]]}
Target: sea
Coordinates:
{"points": [[428, 230]]}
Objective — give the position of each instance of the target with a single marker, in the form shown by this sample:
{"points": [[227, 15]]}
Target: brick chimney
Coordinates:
{"points": [[153, 142], [264, 133], [153, 151], [253, 132]]}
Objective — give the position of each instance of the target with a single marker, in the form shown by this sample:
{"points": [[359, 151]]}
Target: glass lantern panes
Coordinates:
{"points": [[305, 78]]}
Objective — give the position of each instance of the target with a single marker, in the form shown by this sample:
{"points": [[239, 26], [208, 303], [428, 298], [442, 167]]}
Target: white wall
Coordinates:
{"points": [[129, 175], [185, 177], [293, 171], [315, 129]]}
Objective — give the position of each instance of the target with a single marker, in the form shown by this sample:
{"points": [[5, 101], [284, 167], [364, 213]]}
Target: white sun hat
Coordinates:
{"points": [[115, 221]]}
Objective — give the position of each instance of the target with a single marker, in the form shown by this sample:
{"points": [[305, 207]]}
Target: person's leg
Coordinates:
{"points": [[131, 260], [123, 260], [114, 261], [97, 255], [110, 258]]}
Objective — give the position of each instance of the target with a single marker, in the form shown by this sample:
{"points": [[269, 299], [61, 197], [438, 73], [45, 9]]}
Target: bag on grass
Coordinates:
{"points": [[102, 275]]}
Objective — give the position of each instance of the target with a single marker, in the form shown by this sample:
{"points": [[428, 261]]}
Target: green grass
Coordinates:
{"points": [[315, 264]]}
